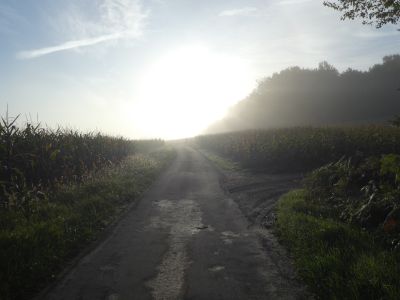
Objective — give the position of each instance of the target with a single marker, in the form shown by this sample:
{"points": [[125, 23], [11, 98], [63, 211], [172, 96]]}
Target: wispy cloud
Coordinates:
{"points": [[244, 11], [67, 46], [116, 20]]}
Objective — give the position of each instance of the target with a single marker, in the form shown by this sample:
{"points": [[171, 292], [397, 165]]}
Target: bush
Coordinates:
{"points": [[363, 192], [336, 260]]}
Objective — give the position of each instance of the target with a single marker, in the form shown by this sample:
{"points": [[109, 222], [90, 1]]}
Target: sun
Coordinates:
{"points": [[187, 89]]}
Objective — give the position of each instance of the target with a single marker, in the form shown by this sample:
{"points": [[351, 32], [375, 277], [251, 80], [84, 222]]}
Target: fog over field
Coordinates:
{"points": [[320, 96]]}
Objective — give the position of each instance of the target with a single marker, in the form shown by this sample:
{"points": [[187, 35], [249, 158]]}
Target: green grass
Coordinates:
{"points": [[36, 245], [336, 260], [221, 162]]}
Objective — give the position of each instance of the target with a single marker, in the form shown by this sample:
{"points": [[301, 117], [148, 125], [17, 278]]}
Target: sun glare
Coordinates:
{"points": [[187, 89]]}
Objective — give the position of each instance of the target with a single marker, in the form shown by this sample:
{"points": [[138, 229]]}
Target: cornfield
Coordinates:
{"points": [[34, 159], [301, 148], [58, 190]]}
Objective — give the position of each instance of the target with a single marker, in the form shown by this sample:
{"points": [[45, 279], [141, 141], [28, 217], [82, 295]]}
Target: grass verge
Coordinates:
{"points": [[336, 260], [36, 246], [221, 162]]}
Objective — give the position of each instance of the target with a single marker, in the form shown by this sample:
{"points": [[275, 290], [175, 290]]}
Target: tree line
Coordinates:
{"points": [[321, 96]]}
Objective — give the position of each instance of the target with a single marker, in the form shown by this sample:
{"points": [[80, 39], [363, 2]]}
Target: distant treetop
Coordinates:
{"points": [[375, 12]]}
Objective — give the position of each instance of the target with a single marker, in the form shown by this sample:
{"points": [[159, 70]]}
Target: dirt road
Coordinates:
{"points": [[186, 239]]}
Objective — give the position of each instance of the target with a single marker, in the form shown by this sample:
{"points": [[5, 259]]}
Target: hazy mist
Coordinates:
{"points": [[169, 69], [320, 96]]}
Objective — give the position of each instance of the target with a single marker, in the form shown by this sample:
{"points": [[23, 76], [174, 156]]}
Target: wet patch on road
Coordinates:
{"points": [[216, 269], [228, 237], [183, 218]]}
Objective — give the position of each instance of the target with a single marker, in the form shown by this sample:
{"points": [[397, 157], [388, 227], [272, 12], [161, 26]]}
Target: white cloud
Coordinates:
{"points": [[115, 20], [373, 33], [244, 11], [290, 2]]}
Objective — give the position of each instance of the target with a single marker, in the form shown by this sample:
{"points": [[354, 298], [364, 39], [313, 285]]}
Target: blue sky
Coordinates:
{"points": [[158, 68]]}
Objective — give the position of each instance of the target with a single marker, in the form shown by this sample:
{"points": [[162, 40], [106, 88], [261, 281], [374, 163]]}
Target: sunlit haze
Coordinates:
{"points": [[168, 69], [186, 89]]}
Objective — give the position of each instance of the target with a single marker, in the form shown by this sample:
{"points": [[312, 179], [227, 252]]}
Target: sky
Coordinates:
{"points": [[164, 68]]}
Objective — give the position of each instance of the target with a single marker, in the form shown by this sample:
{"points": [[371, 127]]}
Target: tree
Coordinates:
{"points": [[375, 12]]}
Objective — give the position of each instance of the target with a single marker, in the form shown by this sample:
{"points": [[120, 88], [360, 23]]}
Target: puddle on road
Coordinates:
{"points": [[230, 234], [216, 268], [183, 217], [228, 237]]}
